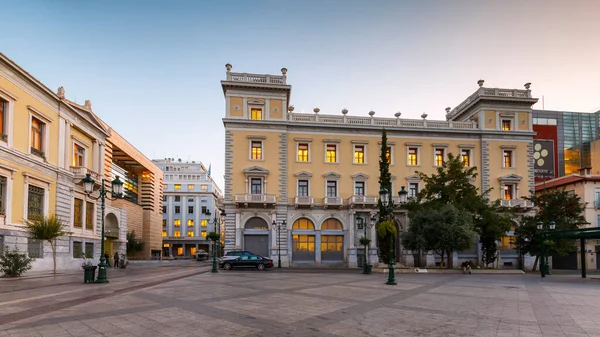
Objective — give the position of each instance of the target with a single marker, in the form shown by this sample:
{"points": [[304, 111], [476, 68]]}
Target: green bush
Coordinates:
{"points": [[365, 241], [14, 264]]}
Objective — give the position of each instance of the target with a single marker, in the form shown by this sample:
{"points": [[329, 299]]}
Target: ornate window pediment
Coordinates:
{"points": [[256, 170], [303, 174], [413, 178], [332, 176], [360, 177], [511, 178]]}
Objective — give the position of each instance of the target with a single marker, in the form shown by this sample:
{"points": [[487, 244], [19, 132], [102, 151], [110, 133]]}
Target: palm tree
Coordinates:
{"points": [[46, 229]]}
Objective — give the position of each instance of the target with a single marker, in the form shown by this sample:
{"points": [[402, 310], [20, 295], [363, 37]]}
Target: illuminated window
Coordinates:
{"points": [[359, 188], [256, 150], [509, 192], [164, 233], [166, 245], [507, 161], [303, 152], [506, 125], [177, 233], [164, 222], [203, 222], [204, 187], [177, 222], [256, 113], [179, 250], [331, 156], [191, 187], [78, 155], [359, 154], [203, 234], [466, 157], [388, 154], [78, 213], [332, 243], [190, 223], [37, 136], [192, 251], [190, 233], [413, 156], [303, 223], [177, 187], [506, 242], [439, 157]]}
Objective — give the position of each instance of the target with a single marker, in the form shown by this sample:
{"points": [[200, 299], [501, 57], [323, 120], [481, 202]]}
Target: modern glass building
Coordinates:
{"points": [[189, 194]]}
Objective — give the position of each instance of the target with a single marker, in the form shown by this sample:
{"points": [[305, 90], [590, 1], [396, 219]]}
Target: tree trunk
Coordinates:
{"points": [[442, 259], [535, 263], [53, 255], [448, 257]]}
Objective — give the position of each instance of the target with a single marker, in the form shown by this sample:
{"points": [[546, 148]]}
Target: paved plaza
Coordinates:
{"points": [[187, 300]]}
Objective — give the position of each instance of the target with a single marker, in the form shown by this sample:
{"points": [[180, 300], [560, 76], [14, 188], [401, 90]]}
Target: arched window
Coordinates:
{"points": [[332, 224], [303, 224]]}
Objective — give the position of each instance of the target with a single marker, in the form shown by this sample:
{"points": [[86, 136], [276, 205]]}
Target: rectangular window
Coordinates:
{"points": [[35, 202], [164, 198], [256, 114], [190, 233], [255, 186], [177, 233], [77, 250], [3, 112], [3, 196], [190, 199], [190, 223], [177, 187], [507, 158], [203, 233], [204, 187], [203, 222], [359, 188], [203, 209], [78, 155], [439, 157], [191, 187], [89, 249], [203, 199], [164, 222], [331, 153], [177, 198], [256, 150], [164, 233], [89, 215], [190, 209], [332, 188], [37, 136], [413, 156], [509, 192], [35, 248], [413, 190], [388, 154], [302, 188], [164, 210], [78, 213], [177, 209], [303, 152], [506, 125], [359, 154], [177, 222], [466, 157]]}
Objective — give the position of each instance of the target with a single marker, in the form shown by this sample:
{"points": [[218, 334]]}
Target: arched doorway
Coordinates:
{"points": [[111, 234], [332, 241], [256, 236], [303, 241]]}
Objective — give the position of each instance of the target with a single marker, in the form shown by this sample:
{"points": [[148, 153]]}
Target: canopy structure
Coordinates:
{"points": [[580, 234]]}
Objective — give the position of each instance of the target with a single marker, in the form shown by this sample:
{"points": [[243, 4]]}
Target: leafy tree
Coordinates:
{"points": [[560, 206], [14, 264], [134, 243], [442, 229], [46, 229], [385, 181]]}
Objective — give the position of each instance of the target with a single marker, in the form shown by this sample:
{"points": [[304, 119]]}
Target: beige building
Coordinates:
{"points": [[317, 171]]}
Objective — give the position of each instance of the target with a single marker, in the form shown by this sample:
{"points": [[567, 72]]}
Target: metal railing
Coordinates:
{"points": [[255, 78], [516, 202], [262, 198]]}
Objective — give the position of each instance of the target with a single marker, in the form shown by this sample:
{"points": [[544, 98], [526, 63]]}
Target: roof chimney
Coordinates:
{"points": [[585, 171]]}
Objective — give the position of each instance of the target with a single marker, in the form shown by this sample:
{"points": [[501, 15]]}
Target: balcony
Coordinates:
{"points": [[81, 171], [256, 199], [255, 78], [333, 202], [362, 201], [304, 201], [516, 203], [381, 121]]}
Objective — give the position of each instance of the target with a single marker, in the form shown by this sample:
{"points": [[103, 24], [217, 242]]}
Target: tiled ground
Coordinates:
{"points": [[347, 304]]}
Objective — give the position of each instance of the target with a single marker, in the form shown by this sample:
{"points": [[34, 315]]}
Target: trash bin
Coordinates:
{"points": [[89, 274], [369, 269]]}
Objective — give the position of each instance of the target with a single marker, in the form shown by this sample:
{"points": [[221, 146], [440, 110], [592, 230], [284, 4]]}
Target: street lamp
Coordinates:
{"points": [[117, 192], [362, 224], [543, 228], [216, 246], [279, 226]]}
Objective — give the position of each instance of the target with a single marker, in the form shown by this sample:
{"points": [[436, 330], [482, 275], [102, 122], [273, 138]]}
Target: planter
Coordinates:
{"points": [[364, 241], [89, 274]]}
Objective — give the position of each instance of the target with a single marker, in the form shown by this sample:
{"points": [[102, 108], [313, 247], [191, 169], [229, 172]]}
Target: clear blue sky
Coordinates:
{"points": [[152, 69]]}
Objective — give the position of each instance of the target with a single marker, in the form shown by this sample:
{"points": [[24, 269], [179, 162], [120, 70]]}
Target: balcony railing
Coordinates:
{"points": [[256, 198], [333, 201], [255, 78], [362, 200], [516, 203], [81, 171], [488, 92], [379, 121], [302, 200]]}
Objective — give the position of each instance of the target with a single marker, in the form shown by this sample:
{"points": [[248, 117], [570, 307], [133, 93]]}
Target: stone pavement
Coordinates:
{"points": [[295, 303]]}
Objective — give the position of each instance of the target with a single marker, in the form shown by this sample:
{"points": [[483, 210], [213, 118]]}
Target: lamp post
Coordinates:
{"points": [[216, 245], [117, 192], [543, 228], [279, 226], [362, 224], [389, 212]]}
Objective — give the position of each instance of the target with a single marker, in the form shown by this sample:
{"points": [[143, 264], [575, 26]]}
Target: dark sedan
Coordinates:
{"points": [[246, 261]]}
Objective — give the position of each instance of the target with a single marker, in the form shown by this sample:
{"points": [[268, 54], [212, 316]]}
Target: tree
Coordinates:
{"points": [[385, 181], [47, 229], [442, 229], [560, 206], [134, 244]]}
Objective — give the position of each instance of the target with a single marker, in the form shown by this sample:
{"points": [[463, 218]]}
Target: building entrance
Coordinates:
{"points": [[256, 236]]}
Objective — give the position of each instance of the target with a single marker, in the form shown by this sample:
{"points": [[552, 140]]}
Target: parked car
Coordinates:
{"points": [[237, 253], [246, 261], [200, 255]]}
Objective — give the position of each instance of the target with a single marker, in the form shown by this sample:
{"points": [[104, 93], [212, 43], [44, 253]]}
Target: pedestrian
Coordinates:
{"points": [[116, 259]]}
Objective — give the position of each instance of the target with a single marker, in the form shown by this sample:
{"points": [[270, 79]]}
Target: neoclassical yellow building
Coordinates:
{"points": [[317, 172]]}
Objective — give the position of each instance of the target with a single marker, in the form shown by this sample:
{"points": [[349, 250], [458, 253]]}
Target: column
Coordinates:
{"points": [[61, 143], [68, 147], [95, 156], [169, 216], [238, 236], [171, 250], [102, 159], [318, 247], [197, 219], [184, 215]]}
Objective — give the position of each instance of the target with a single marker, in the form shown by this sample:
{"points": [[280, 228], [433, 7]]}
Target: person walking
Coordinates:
{"points": [[116, 259], [107, 258]]}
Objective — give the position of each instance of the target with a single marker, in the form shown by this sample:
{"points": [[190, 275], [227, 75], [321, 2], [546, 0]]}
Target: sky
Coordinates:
{"points": [[152, 69]]}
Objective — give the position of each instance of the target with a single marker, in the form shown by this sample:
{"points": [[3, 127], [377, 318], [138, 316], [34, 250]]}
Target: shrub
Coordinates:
{"points": [[365, 241], [14, 264]]}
